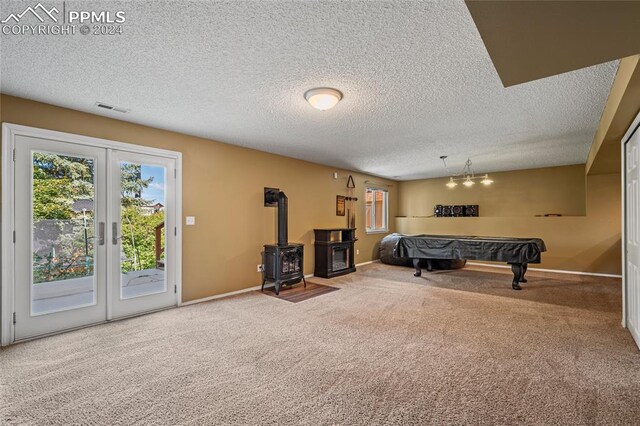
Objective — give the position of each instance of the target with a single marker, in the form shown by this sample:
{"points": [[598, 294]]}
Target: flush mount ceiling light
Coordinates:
{"points": [[323, 98], [466, 176]]}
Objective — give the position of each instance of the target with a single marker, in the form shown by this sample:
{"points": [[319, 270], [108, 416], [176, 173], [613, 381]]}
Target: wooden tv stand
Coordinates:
{"points": [[335, 254]]}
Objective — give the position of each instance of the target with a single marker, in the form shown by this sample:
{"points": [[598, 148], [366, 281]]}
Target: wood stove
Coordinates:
{"points": [[282, 263], [334, 252]]}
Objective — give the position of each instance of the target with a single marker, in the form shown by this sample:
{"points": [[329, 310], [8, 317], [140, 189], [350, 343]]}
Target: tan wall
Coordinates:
{"points": [[589, 243], [529, 40], [518, 193], [623, 104], [223, 187]]}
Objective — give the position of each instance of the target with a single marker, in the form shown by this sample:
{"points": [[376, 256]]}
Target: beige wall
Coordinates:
{"points": [[529, 40], [223, 187], [518, 193], [588, 243]]}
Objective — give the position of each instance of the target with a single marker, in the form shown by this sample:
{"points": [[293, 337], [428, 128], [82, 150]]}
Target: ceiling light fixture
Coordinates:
{"points": [[486, 181], [323, 98], [466, 176]]}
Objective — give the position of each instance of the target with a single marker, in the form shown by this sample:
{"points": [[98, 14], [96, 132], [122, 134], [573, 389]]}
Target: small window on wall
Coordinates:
{"points": [[376, 210]]}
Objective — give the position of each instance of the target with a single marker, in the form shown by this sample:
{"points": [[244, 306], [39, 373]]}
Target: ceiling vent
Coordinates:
{"points": [[111, 107]]}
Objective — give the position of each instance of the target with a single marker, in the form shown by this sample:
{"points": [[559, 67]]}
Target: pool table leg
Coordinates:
{"points": [[518, 274], [416, 264], [524, 271], [429, 265]]}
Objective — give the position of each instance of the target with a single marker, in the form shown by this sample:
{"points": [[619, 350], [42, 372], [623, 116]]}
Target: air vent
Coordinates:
{"points": [[111, 107]]}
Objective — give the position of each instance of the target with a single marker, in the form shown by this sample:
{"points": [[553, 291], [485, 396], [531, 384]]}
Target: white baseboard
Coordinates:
{"points": [[368, 263], [231, 293], [220, 296], [246, 290], [557, 271]]}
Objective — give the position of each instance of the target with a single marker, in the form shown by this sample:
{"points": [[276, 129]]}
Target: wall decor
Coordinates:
{"points": [[468, 210], [351, 211], [351, 203], [340, 203]]}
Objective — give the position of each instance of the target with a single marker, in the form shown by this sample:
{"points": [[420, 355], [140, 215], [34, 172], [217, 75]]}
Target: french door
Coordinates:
{"points": [[631, 161], [141, 225], [95, 234]]}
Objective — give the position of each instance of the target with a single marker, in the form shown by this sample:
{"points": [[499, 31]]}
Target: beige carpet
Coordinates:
{"points": [[456, 347]]}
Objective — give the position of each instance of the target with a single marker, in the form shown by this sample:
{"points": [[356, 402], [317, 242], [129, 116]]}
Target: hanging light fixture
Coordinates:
{"points": [[486, 181], [323, 98], [466, 176]]}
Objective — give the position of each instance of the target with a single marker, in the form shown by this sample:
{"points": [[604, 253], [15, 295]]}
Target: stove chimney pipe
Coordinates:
{"points": [[272, 196], [283, 219]]}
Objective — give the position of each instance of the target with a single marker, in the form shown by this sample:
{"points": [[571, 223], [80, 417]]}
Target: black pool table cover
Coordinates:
{"points": [[497, 249]]}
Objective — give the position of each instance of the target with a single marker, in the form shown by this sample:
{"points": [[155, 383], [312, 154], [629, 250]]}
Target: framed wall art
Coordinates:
{"points": [[340, 201]]}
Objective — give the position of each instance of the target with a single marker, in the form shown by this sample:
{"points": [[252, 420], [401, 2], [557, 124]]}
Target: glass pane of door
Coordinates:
{"points": [[63, 233], [142, 227]]}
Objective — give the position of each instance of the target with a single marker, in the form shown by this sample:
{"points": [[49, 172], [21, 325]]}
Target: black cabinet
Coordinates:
{"points": [[335, 254]]}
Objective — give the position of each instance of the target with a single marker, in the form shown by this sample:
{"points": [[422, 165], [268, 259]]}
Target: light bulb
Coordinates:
{"points": [[468, 182], [451, 183], [486, 181]]}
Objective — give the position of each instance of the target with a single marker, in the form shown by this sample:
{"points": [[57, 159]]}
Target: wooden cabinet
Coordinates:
{"points": [[335, 253]]}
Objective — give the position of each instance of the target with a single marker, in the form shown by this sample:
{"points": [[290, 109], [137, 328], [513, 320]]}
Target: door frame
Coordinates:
{"points": [[7, 219], [635, 126]]}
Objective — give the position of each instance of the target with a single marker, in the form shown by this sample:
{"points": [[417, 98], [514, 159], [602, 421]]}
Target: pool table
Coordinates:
{"points": [[518, 252]]}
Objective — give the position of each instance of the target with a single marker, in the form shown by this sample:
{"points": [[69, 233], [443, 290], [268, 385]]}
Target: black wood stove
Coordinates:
{"points": [[282, 263]]}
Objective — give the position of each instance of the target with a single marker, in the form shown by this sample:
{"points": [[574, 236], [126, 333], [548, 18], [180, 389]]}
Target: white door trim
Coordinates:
{"points": [[635, 126], [7, 255], [6, 241]]}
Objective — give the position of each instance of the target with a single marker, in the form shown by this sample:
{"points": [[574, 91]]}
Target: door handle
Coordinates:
{"points": [[114, 233], [101, 227]]}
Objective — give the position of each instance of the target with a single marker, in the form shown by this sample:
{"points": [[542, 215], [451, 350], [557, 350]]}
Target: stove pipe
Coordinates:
{"points": [[283, 219], [283, 215]]}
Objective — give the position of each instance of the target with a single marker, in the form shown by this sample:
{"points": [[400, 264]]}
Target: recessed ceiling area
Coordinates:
{"points": [[416, 79]]}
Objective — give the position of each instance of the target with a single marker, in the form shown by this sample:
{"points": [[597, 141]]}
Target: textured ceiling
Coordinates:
{"points": [[417, 82]]}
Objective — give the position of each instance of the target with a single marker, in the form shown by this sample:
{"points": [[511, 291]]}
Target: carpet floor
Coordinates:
{"points": [[450, 347]]}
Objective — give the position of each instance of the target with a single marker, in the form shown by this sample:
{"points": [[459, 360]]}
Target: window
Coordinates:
{"points": [[376, 202]]}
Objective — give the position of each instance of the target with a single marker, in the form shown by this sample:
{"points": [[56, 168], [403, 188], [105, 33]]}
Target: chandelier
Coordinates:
{"points": [[466, 176]]}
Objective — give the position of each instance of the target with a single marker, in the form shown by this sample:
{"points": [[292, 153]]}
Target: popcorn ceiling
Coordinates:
{"points": [[417, 82]]}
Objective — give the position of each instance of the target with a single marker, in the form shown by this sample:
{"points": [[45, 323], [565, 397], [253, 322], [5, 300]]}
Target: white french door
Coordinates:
{"points": [[631, 161], [60, 261], [95, 234], [141, 276]]}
